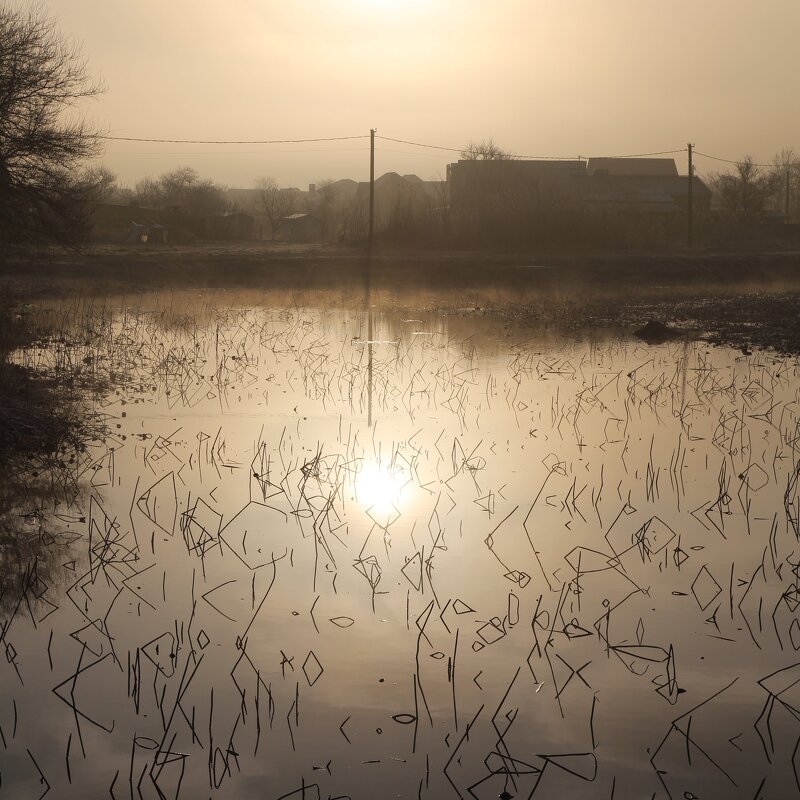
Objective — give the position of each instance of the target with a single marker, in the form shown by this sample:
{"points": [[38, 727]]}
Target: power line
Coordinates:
{"points": [[461, 149], [420, 144], [645, 155], [532, 158], [404, 152], [231, 141], [728, 160], [350, 138], [521, 157], [402, 141], [236, 152], [567, 158]]}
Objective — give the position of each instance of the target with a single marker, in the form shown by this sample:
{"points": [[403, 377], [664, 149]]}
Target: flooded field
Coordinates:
{"points": [[320, 552]]}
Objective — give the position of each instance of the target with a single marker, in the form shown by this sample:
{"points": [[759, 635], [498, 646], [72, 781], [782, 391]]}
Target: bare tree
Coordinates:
{"points": [[102, 182], [183, 189], [786, 174], [274, 203], [43, 139], [745, 192], [353, 218], [326, 207], [177, 184], [146, 192], [485, 150], [786, 159]]}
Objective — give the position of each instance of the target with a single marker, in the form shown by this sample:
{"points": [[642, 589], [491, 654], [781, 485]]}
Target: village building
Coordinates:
{"points": [[301, 227], [400, 198], [649, 185]]}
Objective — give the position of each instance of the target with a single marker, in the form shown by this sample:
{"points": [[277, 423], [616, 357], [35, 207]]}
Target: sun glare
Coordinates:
{"points": [[378, 488]]}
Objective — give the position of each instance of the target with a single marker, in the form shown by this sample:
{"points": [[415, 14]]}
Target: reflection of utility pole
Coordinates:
{"points": [[368, 286], [691, 188], [369, 367]]}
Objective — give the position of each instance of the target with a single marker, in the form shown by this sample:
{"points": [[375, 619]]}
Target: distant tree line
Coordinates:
{"points": [[181, 189], [49, 189], [512, 212]]}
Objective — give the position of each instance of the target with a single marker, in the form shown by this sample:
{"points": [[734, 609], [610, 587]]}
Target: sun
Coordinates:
{"points": [[387, 6]]}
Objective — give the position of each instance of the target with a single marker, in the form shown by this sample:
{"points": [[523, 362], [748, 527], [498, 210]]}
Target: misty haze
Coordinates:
{"points": [[399, 399]]}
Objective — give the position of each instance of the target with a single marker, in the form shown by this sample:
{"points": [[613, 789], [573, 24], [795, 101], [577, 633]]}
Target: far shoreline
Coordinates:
{"points": [[131, 268], [743, 298]]}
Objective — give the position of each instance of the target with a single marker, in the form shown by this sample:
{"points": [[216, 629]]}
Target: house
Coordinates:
{"points": [[343, 190], [399, 198], [117, 222], [148, 233], [301, 228]]}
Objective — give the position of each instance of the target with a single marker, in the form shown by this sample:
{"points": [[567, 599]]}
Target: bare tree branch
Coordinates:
{"points": [[745, 192], [274, 203], [44, 139], [485, 150]]}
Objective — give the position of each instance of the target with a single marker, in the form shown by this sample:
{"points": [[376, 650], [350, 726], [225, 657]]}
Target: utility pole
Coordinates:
{"points": [[371, 187], [690, 195]]}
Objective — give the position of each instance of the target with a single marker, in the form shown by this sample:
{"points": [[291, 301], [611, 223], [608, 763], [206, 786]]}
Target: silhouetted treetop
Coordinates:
{"points": [[485, 150], [44, 139], [747, 190]]}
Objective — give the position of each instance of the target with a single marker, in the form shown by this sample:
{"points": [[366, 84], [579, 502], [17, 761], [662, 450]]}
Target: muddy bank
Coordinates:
{"points": [[45, 421]]}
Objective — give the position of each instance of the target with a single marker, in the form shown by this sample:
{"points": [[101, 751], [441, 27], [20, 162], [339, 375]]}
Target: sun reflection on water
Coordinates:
{"points": [[378, 487]]}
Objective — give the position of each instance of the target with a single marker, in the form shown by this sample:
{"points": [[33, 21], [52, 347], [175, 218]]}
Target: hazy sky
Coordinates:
{"points": [[543, 77]]}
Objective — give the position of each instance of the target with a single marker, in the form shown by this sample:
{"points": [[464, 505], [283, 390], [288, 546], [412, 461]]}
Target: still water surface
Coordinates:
{"points": [[500, 562]]}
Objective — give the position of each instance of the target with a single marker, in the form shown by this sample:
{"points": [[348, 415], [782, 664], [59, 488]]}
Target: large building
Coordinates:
{"points": [[649, 185], [470, 180]]}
